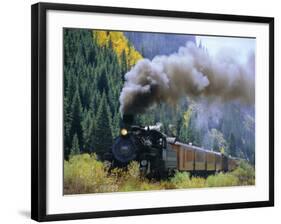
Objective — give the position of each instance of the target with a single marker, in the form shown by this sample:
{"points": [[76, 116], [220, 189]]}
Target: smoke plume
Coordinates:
{"points": [[190, 72]]}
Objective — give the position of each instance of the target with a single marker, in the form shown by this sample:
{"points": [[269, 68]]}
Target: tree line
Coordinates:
{"points": [[93, 78]]}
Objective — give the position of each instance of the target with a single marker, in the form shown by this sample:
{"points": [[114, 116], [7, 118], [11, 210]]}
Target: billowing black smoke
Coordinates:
{"points": [[190, 72]]}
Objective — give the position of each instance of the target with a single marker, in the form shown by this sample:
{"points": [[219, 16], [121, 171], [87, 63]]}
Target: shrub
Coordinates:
{"points": [[133, 171], [184, 180], [167, 184], [181, 180], [146, 186], [222, 180], [245, 173], [197, 182], [130, 179], [84, 174]]}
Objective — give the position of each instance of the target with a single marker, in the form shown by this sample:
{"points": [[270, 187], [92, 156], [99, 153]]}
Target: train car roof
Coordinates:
{"points": [[194, 147]]}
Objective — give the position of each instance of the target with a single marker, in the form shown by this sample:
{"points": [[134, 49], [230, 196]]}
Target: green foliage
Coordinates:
{"points": [[222, 180], [185, 130], [216, 139], [183, 180], [93, 78], [85, 174], [75, 149], [245, 173], [76, 115], [232, 145], [103, 132], [89, 128]]}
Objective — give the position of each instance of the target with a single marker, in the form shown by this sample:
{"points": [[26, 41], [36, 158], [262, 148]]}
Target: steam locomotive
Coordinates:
{"points": [[159, 156]]}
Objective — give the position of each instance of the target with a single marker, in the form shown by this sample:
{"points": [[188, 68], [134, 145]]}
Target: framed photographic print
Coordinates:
{"points": [[138, 111]]}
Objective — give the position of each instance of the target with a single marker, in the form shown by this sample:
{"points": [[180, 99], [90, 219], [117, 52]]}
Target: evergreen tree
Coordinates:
{"points": [[67, 126], [103, 137], [124, 64], [116, 124], [76, 115], [103, 81], [183, 135], [85, 100], [232, 145], [216, 146], [88, 127], [71, 86], [75, 149], [190, 131]]}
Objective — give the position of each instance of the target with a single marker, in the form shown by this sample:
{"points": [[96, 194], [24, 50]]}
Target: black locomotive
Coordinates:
{"points": [[159, 155]]}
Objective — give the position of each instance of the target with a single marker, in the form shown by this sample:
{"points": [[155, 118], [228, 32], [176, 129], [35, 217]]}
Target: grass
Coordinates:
{"points": [[85, 174]]}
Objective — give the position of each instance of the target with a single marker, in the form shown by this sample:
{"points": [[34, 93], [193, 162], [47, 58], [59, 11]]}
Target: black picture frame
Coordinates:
{"points": [[39, 122]]}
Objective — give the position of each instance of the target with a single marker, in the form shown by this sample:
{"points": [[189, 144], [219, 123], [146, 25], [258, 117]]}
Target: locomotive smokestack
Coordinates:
{"points": [[128, 119]]}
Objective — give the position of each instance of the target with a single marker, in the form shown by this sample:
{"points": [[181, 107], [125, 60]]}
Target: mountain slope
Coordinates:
{"points": [[152, 44]]}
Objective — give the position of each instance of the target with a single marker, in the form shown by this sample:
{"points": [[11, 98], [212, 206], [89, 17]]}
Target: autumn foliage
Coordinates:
{"points": [[120, 44]]}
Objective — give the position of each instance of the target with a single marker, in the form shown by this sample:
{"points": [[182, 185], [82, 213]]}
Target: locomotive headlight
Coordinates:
{"points": [[124, 131], [144, 162]]}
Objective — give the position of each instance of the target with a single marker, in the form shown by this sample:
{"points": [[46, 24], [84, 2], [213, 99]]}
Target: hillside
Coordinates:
{"points": [[95, 63]]}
